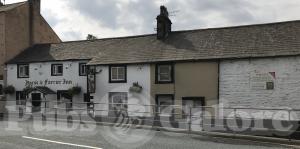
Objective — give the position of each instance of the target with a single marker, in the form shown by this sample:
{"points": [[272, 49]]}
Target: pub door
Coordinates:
{"points": [[36, 102]]}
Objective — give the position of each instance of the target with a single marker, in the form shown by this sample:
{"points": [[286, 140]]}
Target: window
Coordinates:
{"points": [[117, 74], [23, 71], [82, 69], [164, 73], [118, 101], [57, 70], [164, 104]]}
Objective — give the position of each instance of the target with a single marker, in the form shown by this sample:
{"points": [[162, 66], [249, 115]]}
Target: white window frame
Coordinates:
{"points": [[22, 71], [115, 103], [118, 78]]}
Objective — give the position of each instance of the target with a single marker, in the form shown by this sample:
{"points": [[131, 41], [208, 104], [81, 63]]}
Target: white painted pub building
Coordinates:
{"points": [[50, 82], [250, 66]]}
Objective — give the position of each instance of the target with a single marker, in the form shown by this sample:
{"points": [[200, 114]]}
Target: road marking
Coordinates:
{"points": [[63, 143]]}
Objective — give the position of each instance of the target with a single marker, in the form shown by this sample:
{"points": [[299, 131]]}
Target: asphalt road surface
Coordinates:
{"points": [[48, 135]]}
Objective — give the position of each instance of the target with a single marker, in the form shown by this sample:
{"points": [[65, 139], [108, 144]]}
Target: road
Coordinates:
{"points": [[48, 135]]}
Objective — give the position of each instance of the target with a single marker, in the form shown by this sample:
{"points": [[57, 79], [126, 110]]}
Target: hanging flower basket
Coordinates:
{"points": [[9, 90], [76, 90], [136, 88]]}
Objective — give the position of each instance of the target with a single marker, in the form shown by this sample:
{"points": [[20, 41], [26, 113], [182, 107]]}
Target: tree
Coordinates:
{"points": [[91, 37]]}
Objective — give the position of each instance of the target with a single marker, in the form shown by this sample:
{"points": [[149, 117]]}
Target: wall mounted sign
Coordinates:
{"points": [[47, 82], [91, 79], [262, 81]]}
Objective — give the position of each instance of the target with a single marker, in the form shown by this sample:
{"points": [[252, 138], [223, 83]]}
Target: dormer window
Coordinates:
{"points": [[23, 71]]}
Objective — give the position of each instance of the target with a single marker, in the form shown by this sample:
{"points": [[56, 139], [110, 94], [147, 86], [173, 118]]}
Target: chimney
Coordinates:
{"points": [[34, 12], [164, 24], [35, 5]]}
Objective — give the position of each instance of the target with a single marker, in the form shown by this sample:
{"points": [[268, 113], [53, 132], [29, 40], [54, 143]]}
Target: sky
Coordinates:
{"points": [[75, 19]]}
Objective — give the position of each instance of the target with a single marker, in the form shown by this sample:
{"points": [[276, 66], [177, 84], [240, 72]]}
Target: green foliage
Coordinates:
{"points": [[76, 90], [136, 88], [9, 90]]}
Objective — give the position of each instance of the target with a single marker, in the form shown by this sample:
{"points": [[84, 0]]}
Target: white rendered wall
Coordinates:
{"points": [[240, 88], [40, 72], [135, 73]]}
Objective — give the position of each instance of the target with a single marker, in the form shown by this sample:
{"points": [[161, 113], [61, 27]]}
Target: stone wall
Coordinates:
{"points": [[243, 82]]}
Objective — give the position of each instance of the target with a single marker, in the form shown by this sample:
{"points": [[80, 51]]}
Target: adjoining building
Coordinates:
{"points": [[265, 72], [21, 26]]}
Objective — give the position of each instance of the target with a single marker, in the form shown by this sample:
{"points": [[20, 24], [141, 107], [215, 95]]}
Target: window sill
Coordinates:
{"points": [[23, 77], [56, 75], [121, 81], [160, 82]]}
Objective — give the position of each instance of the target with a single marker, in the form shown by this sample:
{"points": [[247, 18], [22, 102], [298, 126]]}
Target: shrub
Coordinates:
{"points": [[76, 90], [9, 90]]}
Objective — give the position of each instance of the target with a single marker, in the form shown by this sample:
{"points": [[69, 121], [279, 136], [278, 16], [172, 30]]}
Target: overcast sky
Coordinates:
{"points": [[74, 19]]}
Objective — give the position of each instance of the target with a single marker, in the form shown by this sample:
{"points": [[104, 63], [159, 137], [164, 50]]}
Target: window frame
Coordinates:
{"points": [[1, 89], [158, 106], [52, 69], [18, 70], [80, 69], [157, 81], [123, 105], [117, 81]]}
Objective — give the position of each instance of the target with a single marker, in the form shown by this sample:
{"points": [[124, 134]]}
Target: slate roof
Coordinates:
{"points": [[264, 40], [8, 7]]}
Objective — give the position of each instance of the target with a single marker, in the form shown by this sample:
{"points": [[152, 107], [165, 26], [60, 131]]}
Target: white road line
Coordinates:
{"points": [[63, 143]]}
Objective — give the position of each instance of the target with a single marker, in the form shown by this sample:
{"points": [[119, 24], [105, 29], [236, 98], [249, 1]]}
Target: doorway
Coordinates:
{"points": [[36, 102], [64, 99], [194, 104], [193, 110]]}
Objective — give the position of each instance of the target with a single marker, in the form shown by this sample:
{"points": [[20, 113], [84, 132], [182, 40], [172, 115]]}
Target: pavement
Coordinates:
{"points": [[61, 135]]}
